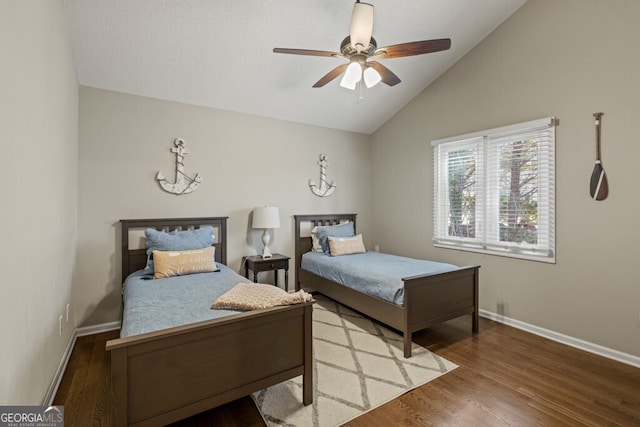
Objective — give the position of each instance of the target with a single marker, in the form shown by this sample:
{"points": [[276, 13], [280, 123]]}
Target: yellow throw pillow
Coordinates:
{"points": [[253, 296], [178, 263], [346, 245]]}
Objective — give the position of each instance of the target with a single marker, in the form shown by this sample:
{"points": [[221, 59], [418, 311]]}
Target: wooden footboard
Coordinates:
{"points": [[435, 298], [164, 376]]}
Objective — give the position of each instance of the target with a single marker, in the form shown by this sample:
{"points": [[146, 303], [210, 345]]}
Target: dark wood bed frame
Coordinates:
{"points": [[428, 299], [168, 375]]}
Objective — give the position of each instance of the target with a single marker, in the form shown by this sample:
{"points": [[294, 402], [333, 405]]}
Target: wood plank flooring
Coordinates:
{"points": [[506, 377]]}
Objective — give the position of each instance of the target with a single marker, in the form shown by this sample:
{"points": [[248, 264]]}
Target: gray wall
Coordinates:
{"points": [[38, 183], [568, 59], [245, 161]]}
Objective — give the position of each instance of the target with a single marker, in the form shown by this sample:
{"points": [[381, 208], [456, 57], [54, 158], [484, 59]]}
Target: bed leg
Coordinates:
{"points": [[307, 390], [307, 376], [476, 305], [474, 322], [407, 344], [118, 391]]}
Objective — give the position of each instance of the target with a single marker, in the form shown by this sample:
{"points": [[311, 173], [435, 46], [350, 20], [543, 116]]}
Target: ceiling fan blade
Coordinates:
{"points": [[306, 52], [412, 48], [331, 75], [388, 77]]}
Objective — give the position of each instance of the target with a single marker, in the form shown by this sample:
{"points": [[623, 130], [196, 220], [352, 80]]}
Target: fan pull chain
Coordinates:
{"points": [[360, 92]]}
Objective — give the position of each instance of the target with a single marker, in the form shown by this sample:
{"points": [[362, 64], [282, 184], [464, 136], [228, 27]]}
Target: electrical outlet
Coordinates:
{"points": [[67, 318], [60, 326]]}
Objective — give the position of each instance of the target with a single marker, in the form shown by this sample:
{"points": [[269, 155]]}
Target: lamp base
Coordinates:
{"points": [[266, 253]]}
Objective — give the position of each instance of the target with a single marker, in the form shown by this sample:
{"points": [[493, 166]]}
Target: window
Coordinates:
{"points": [[494, 191]]}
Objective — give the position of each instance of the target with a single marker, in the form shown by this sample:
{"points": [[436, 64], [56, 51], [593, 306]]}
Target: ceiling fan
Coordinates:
{"points": [[359, 47]]}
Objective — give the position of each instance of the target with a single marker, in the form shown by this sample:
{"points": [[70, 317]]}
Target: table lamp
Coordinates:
{"points": [[266, 217]]}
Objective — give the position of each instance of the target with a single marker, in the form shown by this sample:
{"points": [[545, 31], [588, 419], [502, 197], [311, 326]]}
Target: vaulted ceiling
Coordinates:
{"points": [[219, 53]]}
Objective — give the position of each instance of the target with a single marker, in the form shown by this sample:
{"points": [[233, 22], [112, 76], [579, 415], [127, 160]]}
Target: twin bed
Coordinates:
{"points": [[163, 375], [176, 357], [444, 293]]}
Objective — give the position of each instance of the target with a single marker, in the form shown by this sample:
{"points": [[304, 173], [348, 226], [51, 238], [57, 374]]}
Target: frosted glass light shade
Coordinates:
{"points": [[352, 76], [361, 26], [371, 77]]}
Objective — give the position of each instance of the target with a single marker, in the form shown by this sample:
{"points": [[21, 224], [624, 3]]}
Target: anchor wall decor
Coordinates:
{"points": [[325, 189], [184, 183]]}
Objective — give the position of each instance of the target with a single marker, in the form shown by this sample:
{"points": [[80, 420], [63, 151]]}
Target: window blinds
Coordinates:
{"points": [[494, 191]]}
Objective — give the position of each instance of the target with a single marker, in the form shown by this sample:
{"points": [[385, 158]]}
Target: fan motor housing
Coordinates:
{"points": [[348, 50]]}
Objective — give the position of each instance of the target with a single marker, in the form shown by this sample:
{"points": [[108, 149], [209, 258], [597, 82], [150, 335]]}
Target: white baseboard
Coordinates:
{"points": [[609, 353], [79, 332], [55, 383]]}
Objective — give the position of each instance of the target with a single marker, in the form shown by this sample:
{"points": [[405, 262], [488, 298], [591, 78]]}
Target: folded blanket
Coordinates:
{"points": [[253, 296]]}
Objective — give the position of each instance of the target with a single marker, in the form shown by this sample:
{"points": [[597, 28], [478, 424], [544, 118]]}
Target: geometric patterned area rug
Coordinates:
{"points": [[358, 366]]}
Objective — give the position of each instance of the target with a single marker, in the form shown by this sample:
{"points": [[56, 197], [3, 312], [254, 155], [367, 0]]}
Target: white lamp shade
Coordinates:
{"points": [[361, 26], [352, 76], [371, 77], [266, 217]]}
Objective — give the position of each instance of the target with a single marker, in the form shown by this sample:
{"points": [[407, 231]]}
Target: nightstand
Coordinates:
{"points": [[277, 262]]}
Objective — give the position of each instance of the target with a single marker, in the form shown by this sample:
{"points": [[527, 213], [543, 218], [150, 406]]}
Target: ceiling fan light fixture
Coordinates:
{"points": [[352, 76], [361, 25], [361, 51], [371, 77]]}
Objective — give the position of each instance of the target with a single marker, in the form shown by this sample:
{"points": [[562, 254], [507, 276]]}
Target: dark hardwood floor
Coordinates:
{"points": [[506, 377]]}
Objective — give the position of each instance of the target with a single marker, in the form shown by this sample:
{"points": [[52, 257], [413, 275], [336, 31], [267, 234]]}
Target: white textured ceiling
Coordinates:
{"points": [[219, 53]]}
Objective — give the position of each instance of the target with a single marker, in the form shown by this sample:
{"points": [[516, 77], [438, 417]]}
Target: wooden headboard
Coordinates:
{"points": [[136, 258], [302, 242]]}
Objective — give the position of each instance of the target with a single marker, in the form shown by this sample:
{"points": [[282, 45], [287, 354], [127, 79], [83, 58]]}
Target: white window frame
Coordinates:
{"points": [[487, 200]]}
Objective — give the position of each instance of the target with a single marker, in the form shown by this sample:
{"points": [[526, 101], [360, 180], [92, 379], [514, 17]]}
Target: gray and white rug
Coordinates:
{"points": [[358, 366]]}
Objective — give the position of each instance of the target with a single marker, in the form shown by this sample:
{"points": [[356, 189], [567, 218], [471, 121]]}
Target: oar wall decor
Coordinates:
{"points": [[599, 187]]}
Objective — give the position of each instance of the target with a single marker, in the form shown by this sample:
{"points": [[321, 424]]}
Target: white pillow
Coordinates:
{"points": [[315, 242]]}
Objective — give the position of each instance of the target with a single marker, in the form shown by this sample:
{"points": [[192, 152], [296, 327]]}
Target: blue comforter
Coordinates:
{"points": [[155, 304], [372, 273]]}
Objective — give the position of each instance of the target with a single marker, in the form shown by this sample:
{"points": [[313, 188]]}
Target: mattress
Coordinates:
{"points": [[373, 273], [155, 304]]}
